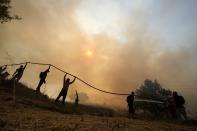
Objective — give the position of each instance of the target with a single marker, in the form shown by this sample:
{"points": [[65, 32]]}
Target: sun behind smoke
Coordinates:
{"points": [[89, 53]]}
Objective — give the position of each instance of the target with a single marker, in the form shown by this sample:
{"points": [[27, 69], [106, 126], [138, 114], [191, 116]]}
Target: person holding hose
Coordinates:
{"points": [[18, 73], [43, 76], [64, 91]]}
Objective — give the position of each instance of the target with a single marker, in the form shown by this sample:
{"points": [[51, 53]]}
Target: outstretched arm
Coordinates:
{"points": [[48, 68], [73, 81], [15, 72], [25, 65], [64, 79]]}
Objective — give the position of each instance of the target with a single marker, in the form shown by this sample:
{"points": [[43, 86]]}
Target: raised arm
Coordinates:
{"points": [[47, 70], [73, 81], [64, 78], [25, 65], [49, 67], [15, 72]]}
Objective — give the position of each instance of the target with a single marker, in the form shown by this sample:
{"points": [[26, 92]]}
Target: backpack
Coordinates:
{"points": [[41, 75], [181, 100]]}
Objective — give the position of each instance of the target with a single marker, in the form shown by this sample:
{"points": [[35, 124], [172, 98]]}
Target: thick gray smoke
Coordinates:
{"points": [[49, 33]]}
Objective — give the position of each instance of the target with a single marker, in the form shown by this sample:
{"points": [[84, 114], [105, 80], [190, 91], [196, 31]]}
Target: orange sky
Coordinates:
{"points": [[112, 47]]}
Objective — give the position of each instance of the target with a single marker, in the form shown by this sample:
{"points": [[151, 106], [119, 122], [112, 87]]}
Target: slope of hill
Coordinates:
{"points": [[32, 111]]}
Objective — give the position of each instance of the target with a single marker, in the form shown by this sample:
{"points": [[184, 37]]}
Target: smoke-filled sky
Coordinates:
{"points": [[114, 45]]}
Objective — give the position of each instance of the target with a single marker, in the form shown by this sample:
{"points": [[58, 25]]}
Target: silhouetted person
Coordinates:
{"points": [[180, 109], [43, 76], [64, 91], [77, 99], [171, 106], [130, 101], [18, 73]]}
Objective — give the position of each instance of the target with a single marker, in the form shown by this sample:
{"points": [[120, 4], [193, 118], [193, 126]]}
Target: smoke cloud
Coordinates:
{"points": [[49, 32]]}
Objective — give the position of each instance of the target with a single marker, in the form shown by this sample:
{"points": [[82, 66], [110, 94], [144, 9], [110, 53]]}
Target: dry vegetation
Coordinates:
{"points": [[33, 111]]}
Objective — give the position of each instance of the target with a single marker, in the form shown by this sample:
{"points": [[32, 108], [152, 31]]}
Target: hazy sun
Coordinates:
{"points": [[89, 53]]}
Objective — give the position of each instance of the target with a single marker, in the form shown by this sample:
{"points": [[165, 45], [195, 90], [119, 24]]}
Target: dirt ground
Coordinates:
{"points": [[23, 115]]}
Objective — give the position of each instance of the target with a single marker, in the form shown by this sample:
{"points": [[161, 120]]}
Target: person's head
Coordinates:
{"points": [[68, 80], [132, 93], [175, 93], [21, 66]]}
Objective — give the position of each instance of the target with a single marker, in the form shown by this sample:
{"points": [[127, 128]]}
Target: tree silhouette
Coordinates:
{"points": [[153, 90], [5, 15]]}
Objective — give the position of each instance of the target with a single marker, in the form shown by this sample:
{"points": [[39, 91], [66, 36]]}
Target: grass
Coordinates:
{"points": [[28, 96], [34, 111]]}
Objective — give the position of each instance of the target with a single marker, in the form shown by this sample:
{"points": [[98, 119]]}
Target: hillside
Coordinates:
{"points": [[32, 111]]}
